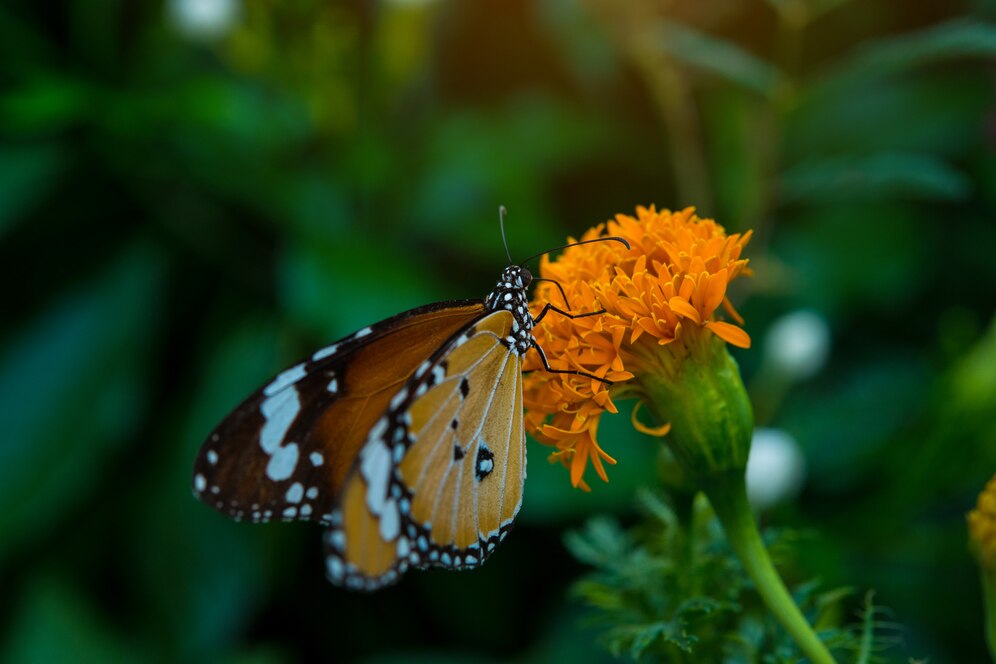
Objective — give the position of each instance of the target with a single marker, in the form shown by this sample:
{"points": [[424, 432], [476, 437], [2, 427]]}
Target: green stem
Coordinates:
{"points": [[989, 593], [728, 494]]}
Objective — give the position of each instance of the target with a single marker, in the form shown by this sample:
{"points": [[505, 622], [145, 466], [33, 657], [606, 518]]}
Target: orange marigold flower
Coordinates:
{"points": [[982, 526], [664, 290]]}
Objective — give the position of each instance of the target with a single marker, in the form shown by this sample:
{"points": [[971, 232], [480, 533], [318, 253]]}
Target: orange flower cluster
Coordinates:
{"points": [[982, 525], [666, 288]]}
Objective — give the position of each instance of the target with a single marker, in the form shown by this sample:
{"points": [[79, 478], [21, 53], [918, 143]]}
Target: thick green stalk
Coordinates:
{"points": [[728, 495]]}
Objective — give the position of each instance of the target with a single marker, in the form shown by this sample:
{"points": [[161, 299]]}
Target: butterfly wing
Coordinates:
{"points": [[286, 451], [439, 480]]}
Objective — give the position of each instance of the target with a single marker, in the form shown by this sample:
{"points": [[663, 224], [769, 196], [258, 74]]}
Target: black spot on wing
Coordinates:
{"points": [[485, 462], [464, 387], [458, 453]]}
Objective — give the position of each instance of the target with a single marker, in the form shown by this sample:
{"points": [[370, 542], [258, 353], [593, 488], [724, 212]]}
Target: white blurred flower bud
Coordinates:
{"points": [[203, 19], [797, 344], [776, 468]]}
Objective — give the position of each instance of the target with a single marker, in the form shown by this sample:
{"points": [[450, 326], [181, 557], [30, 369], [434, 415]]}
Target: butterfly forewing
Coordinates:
{"points": [[286, 451], [439, 480]]}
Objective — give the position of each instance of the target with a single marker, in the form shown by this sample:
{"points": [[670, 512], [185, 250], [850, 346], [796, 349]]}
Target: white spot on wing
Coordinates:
{"points": [[212, 457], [325, 352], [282, 463], [279, 411], [312, 492], [316, 459], [398, 398], [375, 464], [285, 378], [333, 386], [200, 483], [390, 521], [362, 333], [295, 493], [334, 566]]}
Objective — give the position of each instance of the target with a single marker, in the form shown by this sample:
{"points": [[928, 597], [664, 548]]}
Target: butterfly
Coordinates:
{"points": [[405, 438]]}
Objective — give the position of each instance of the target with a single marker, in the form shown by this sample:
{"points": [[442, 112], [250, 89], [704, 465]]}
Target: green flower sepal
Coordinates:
{"points": [[698, 390]]}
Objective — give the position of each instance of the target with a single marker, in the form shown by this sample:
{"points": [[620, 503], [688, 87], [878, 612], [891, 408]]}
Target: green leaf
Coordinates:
{"points": [[942, 113], [873, 177], [601, 541], [960, 38], [74, 385], [54, 623], [202, 576], [719, 57], [27, 174], [735, 132], [655, 506], [45, 105], [641, 637], [337, 288]]}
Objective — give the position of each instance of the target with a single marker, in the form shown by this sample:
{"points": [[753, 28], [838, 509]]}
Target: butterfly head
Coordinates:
{"points": [[510, 294]]}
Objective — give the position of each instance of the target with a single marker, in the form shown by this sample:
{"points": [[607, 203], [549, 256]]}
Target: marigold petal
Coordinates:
{"points": [[714, 292], [731, 334], [683, 307], [578, 462], [733, 313], [657, 432]]}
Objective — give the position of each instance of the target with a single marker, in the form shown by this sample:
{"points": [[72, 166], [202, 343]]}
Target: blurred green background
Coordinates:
{"points": [[195, 193]]}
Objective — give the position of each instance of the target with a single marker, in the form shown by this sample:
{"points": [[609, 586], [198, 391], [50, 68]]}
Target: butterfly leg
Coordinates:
{"points": [[549, 307], [546, 364]]}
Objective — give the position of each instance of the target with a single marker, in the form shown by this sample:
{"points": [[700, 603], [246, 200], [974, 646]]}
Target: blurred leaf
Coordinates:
{"points": [[737, 132], [21, 46], [960, 38], [719, 57], [602, 542], [942, 113], [810, 9], [874, 177], [834, 273], [845, 425], [973, 379], [587, 52], [45, 105], [53, 623], [74, 386], [202, 576], [336, 288], [428, 657], [463, 181], [27, 175]]}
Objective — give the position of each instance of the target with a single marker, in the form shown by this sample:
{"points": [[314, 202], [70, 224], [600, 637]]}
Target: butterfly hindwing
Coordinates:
{"points": [[439, 480], [285, 452]]}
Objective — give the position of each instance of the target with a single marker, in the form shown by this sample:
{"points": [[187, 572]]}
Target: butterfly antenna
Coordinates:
{"points": [[501, 224], [611, 238]]}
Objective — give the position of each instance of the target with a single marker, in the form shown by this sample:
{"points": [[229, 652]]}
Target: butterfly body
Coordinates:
{"points": [[405, 438]]}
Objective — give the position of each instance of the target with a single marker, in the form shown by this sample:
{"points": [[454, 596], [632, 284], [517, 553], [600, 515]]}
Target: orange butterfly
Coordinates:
{"points": [[405, 438]]}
